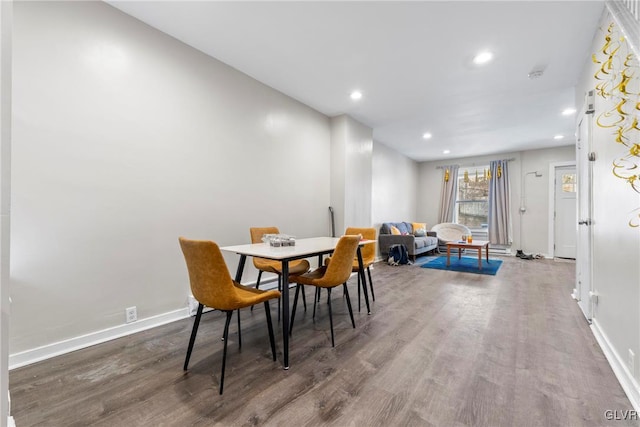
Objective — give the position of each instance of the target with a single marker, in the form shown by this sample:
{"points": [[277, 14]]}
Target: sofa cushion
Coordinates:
{"points": [[395, 230], [426, 241], [404, 227]]}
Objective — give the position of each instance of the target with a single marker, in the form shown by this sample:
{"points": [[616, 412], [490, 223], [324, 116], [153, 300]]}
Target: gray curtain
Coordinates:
{"points": [[448, 196], [499, 203]]}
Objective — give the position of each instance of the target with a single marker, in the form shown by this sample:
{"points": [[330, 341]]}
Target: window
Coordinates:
{"points": [[569, 182], [472, 200]]}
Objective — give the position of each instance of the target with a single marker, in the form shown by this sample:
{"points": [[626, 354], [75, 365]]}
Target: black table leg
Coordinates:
{"points": [[285, 312], [363, 280], [240, 269]]}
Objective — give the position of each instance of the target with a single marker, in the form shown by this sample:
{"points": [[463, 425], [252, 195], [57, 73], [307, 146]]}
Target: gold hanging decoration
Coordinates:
{"points": [[476, 175], [499, 173], [446, 175], [466, 176], [488, 174]]}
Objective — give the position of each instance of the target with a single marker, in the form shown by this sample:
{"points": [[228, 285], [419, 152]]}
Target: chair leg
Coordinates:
{"points": [[259, 277], [194, 332], [267, 310], [258, 282], [304, 300], [279, 289], [373, 296], [346, 292], [316, 299], [293, 311], [333, 343], [239, 331], [224, 352], [359, 291]]}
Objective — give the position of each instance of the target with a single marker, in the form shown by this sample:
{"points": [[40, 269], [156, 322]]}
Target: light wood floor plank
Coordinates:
{"points": [[439, 349]]}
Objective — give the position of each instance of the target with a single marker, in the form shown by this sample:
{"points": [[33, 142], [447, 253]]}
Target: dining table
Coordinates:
{"points": [[302, 248]]}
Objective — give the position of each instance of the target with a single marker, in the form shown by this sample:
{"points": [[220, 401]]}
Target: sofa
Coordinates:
{"points": [[414, 236]]}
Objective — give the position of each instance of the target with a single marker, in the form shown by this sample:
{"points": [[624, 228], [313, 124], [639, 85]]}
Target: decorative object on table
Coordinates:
{"points": [[278, 240], [212, 286], [270, 266], [335, 274], [465, 265]]}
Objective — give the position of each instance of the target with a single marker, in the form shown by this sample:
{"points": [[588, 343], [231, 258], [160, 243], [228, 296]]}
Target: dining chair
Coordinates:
{"points": [[212, 286], [368, 253], [329, 276], [271, 266]]}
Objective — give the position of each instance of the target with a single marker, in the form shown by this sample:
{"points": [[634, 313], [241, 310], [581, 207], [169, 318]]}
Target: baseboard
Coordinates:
{"points": [[48, 351], [62, 347], [627, 381]]}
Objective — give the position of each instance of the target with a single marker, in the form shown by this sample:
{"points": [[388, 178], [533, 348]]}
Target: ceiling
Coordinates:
{"points": [[411, 60]]}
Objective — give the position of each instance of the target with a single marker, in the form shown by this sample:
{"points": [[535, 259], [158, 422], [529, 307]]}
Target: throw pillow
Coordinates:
{"points": [[395, 231], [419, 229]]}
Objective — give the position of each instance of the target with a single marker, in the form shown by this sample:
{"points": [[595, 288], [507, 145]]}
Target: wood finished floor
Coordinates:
{"points": [[439, 349]]}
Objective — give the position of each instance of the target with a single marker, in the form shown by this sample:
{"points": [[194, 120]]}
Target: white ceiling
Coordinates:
{"points": [[411, 60]]}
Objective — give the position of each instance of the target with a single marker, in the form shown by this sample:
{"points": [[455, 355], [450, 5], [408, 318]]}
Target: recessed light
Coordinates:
{"points": [[427, 135], [356, 94], [482, 58], [568, 111], [446, 151], [558, 137]]}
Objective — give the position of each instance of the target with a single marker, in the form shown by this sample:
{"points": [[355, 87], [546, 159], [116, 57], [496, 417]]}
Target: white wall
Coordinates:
{"points": [[535, 222], [338, 166], [125, 139], [351, 173], [395, 189], [6, 32], [616, 245]]}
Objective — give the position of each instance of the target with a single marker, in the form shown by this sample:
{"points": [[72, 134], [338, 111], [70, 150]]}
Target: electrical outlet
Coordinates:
{"points": [[631, 362], [131, 314]]}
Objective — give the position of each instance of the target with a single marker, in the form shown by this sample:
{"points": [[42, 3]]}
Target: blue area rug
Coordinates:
{"points": [[465, 265]]}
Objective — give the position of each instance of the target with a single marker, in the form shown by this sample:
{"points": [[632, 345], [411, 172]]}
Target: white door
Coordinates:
{"points": [[565, 223], [585, 206]]}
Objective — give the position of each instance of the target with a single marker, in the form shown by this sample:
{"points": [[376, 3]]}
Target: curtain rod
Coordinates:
{"points": [[473, 164]]}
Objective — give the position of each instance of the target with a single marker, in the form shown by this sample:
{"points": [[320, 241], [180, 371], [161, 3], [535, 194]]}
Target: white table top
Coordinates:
{"points": [[310, 246]]}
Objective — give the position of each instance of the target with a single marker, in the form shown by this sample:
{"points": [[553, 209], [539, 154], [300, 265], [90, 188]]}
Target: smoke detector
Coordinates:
{"points": [[535, 74]]}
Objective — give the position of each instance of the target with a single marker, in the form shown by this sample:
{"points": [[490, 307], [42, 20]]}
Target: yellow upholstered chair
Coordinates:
{"points": [[271, 266], [212, 286], [329, 276], [368, 253]]}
